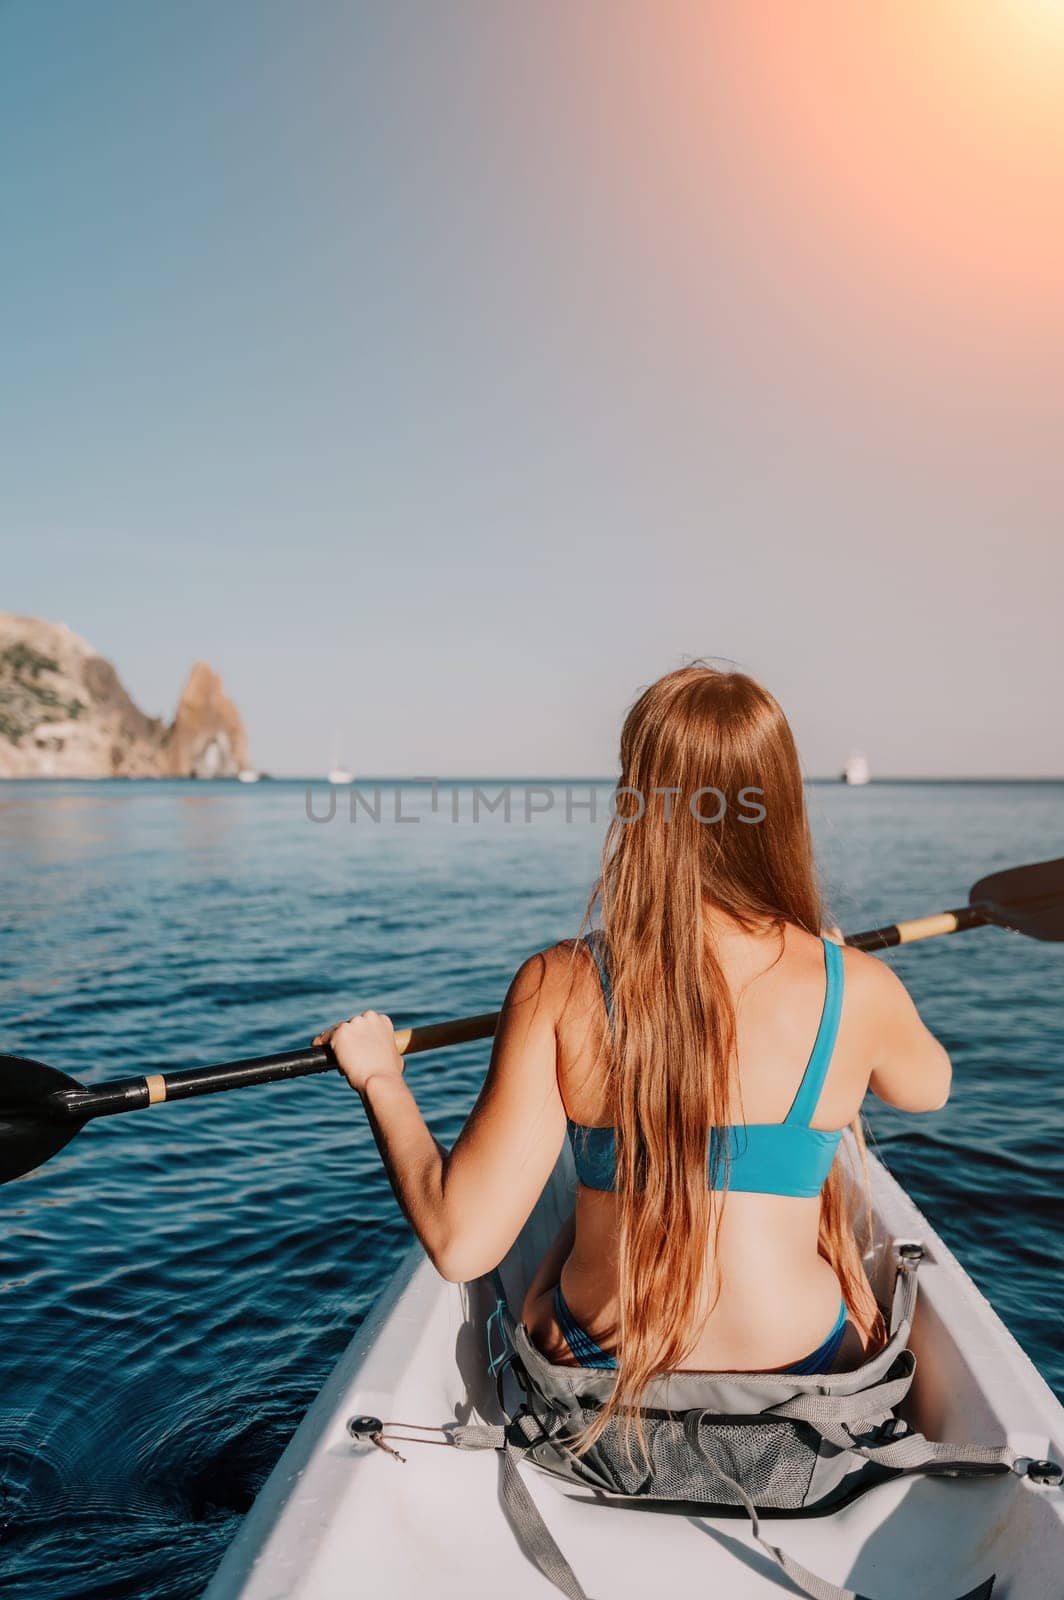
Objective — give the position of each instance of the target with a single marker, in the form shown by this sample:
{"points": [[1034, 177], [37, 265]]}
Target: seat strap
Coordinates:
{"points": [[903, 1300], [809, 1582], [522, 1512], [838, 1417], [539, 1544], [911, 1452], [535, 1537]]}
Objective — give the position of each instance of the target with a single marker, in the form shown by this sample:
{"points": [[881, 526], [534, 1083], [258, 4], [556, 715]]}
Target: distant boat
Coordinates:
{"points": [[856, 771], [338, 773], [248, 775]]}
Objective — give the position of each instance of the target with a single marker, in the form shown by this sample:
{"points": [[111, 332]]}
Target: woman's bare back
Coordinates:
{"points": [[778, 1298]]}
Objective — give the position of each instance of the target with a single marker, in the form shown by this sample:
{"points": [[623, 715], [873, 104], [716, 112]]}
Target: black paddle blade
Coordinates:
{"points": [[1028, 899], [30, 1129]]}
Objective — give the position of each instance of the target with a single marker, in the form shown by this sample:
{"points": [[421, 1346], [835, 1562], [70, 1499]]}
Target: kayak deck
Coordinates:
{"points": [[337, 1519]]}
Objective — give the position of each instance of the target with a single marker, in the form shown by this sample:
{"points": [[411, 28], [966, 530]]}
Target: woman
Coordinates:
{"points": [[709, 1001]]}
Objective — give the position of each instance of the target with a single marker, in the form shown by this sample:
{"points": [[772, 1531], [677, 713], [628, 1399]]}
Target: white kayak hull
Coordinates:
{"points": [[336, 1520]]}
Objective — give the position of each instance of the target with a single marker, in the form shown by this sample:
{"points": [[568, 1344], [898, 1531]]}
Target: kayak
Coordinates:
{"points": [[340, 1516]]}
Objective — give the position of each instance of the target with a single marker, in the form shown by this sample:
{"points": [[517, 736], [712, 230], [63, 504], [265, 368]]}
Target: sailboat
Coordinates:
{"points": [[856, 771], [338, 773]]}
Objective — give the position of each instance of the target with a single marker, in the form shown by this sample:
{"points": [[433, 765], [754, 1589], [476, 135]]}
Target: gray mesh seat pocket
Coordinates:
{"points": [[687, 1453]]}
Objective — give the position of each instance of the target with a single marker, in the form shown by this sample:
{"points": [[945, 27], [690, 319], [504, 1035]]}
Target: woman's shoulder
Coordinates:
{"points": [[870, 985], [563, 978], [877, 1002], [554, 970], [870, 977]]}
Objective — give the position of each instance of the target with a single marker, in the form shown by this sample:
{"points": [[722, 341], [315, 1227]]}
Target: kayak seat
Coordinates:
{"points": [[720, 1443]]}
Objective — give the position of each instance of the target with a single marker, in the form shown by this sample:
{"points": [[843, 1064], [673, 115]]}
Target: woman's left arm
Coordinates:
{"points": [[468, 1205]]}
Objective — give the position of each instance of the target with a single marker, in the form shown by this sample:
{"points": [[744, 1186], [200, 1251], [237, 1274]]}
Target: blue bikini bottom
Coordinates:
{"points": [[587, 1353]]}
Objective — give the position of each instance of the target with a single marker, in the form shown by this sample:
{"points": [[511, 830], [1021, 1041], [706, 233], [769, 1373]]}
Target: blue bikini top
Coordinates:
{"points": [[788, 1157]]}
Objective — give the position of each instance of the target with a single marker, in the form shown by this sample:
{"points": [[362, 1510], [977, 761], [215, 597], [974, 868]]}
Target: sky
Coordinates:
{"points": [[444, 373]]}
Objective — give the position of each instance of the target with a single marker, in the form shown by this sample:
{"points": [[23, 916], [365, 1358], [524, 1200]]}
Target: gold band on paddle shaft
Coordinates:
{"points": [[156, 1088], [438, 1035], [927, 927]]}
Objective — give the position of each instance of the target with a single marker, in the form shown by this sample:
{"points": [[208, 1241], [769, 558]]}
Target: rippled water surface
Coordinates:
{"points": [[176, 1284]]}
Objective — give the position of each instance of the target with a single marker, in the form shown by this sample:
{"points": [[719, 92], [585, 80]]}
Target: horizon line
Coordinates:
{"points": [[525, 778]]}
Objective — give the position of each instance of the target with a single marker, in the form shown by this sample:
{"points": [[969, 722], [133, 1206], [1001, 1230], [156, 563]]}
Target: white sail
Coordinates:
{"points": [[857, 771], [338, 773]]}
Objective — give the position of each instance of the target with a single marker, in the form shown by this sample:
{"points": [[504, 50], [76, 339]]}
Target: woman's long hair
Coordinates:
{"points": [[695, 741]]}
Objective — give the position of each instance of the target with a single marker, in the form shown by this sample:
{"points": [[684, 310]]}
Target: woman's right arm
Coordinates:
{"points": [[911, 1069]]}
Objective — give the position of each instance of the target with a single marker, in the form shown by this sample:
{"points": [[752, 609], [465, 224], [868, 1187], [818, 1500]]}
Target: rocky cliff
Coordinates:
{"points": [[207, 738], [65, 714]]}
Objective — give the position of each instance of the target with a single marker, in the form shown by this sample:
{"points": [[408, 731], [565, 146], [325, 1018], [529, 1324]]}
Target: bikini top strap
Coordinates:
{"points": [[596, 943], [805, 1101]]}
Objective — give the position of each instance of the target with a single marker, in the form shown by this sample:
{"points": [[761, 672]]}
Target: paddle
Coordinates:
{"points": [[41, 1109], [1026, 900]]}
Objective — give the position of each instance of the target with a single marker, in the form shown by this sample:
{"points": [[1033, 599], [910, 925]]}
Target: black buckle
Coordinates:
{"points": [[546, 1435]]}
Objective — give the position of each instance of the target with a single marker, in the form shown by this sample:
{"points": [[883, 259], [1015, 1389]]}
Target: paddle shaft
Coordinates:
{"points": [[134, 1094], [920, 928]]}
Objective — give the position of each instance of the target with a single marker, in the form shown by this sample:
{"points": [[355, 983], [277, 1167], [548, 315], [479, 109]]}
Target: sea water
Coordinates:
{"points": [[177, 1284]]}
